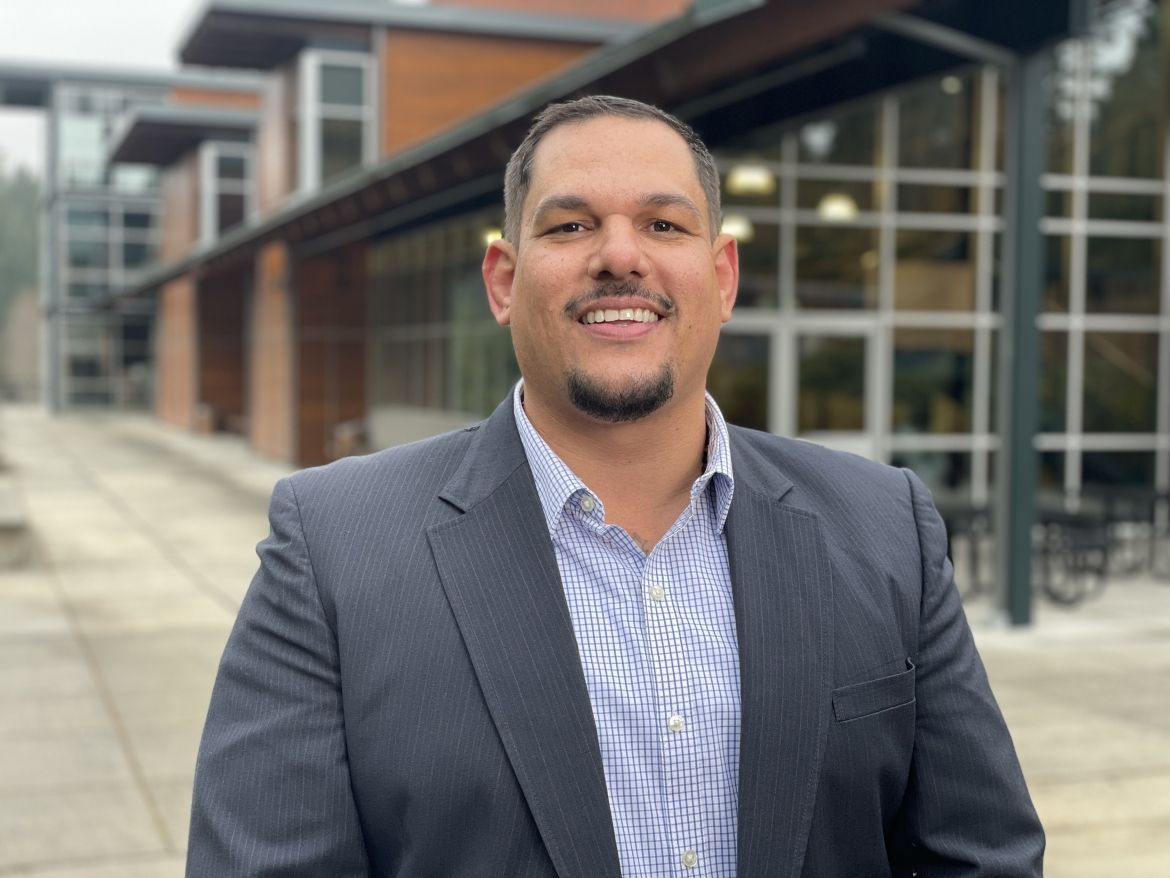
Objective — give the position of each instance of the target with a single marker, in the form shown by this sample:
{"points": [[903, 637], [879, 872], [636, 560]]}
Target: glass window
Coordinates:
{"points": [[845, 138], [739, 379], [95, 218], [836, 267], [135, 179], [935, 271], [935, 123], [946, 473], [89, 254], [136, 254], [1136, 208], [341, 146], [138, 220], [750, 184], [1062, 107], [82, 141], [83, 290], [834, 200], [1057, 203], [230, 211], [935, 199], [1121, 389], [759, 266], [1053, 383], [1117, 469], [1050, 466], [1124, 276], [1056, 272], [343, 85], [231, 167], [1127, 94], [832, 383], [933, 380]]}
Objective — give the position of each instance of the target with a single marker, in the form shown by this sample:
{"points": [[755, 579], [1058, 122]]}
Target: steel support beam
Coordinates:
{"points": [[1019, 362]]}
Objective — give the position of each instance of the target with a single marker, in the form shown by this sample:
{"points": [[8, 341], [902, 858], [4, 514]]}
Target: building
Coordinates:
{"points": [[100, 224]]}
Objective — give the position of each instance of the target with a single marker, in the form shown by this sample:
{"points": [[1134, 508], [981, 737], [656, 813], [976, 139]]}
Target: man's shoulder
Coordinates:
{"points": [[421, 467]]}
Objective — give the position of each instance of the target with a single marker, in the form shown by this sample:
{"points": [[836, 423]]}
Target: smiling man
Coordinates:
{"points": [[604, 633]]}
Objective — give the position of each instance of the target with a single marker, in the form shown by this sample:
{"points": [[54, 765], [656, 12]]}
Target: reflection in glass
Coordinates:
{"points": [[811, 194], [1063, 89], [848, 137], [1053, 384], [230, 211], [831, 383], [1056, 272], [836, 267], [739, 379], [1116, 469], [135, 179], [935, 199], [1127, 94], [1123, 276], [946, 473], [231, 167], [1135, 208], [759, 267], [935, 124], [1051, 471], [95, 218], [1121, 390], [341, 146], [137, 220], [136, 254], [935, 271], [750, 184], [89, 254], [342, 84], [933, 380]]}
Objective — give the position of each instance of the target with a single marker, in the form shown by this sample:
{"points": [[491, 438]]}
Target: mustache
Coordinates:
{"points": [[620, 289]]}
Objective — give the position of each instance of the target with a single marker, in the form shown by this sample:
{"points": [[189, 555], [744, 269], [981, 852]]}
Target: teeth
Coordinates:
{"points": [[610, 315]]}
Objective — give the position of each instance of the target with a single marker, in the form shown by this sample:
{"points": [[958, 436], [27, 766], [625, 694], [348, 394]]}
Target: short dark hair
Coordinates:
{"points": [[518, 176]]}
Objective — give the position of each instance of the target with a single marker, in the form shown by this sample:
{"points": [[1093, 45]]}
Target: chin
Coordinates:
{"points": [[629, 398]]}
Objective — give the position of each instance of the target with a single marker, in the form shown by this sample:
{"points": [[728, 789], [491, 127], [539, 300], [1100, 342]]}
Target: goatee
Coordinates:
{"points": [[618, 405]]}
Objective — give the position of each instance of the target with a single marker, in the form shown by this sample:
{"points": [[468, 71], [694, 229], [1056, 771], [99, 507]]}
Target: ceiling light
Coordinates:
{"points": [[751, 180], [490, 235], [739, 227], [951, 85], [837, 207]]}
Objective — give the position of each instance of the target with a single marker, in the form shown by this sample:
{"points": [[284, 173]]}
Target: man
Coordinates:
{"points": [[602, 632]]}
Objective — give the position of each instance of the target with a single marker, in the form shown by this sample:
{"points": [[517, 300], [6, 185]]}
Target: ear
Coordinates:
{"points": [[499, 270], [726, 253]]}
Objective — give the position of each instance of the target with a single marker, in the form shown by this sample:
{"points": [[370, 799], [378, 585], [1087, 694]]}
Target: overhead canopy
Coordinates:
{"points": [[162, 135], [263, 34]]}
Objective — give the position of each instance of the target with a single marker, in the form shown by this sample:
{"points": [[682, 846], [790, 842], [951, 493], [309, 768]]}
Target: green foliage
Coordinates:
{"points": [[20, 225]]}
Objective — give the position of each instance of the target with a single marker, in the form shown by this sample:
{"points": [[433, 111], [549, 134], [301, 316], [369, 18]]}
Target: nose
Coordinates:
{"points": [[619, 252]]}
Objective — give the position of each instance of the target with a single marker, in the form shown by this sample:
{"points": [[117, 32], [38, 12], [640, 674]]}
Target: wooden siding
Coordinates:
{"points": [[219, 99], [221, 311], [624, 10], [180, 208], [276, 147], [331, 352], [270, 356], [433, 80], [175, 342]]}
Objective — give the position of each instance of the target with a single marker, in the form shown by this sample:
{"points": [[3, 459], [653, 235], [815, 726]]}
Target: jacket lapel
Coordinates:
{"points": [[782, 587], [500, 575]]}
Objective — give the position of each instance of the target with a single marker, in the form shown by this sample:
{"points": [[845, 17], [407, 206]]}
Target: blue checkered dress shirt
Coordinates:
{"points": [[656, 634]]}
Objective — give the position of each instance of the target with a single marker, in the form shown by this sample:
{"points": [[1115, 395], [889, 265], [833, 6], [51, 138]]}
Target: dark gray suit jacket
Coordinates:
{"points": [[402, 693]]}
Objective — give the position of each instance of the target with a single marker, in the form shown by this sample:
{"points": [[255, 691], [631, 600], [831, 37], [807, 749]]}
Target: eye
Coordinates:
{"points": [[566, 228], [663, 226]]}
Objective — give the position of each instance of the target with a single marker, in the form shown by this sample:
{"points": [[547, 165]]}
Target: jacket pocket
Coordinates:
{"points": [[874, 696]]}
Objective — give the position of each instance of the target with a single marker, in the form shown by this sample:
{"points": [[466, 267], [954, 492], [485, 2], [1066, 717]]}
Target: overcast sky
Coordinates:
{"points": [[134, 34]]}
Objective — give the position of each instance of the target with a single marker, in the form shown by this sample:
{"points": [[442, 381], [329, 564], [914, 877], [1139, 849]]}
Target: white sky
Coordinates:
{"points": [[130, 34]]}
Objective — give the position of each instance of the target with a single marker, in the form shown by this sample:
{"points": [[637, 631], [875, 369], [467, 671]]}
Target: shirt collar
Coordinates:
{"points": [[556, 484]]}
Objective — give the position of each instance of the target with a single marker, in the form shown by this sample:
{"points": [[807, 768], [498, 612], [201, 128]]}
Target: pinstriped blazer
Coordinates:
{"points": [[401, 694]]}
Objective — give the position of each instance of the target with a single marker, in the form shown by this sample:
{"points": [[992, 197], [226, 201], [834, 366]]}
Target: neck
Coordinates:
{"points": [[642, 470]]}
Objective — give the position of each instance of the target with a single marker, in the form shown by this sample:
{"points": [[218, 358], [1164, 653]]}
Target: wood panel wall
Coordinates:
{"points": [[219, 99], [176, 353], [180, 208], [433, 80], [221, 312], [271, 355], [331, 351], [276, 146]]}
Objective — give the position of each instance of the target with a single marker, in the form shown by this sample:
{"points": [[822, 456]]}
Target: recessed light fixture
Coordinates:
{"points": [[751, 179], [837, 207], [951, 85], [739, 227], [491, 234]]}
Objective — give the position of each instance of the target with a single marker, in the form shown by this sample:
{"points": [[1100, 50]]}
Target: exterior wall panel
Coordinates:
{"points": [[433, 80], [180, 209], [176, 345], [276, 149], [646, 10], [270, 390], [221, 350], [219, 99]]}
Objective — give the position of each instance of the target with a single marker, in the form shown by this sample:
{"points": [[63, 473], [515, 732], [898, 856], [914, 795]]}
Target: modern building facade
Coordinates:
{"points": [[100, 224], [867, 151]]}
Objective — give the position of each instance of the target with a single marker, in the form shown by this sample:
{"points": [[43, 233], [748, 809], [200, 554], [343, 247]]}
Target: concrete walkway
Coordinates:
{"points": [[144, 543]]}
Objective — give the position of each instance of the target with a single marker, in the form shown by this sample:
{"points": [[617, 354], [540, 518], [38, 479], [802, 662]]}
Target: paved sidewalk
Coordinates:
{"points": [[144, 546]]}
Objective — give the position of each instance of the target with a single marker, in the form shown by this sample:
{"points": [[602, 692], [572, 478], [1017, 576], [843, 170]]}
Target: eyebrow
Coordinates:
{"points": [[652, 199]]}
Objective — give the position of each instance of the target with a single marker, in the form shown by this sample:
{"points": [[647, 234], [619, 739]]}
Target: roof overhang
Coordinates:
{"points": [[790, 58], [162, 135], [264, 34]]}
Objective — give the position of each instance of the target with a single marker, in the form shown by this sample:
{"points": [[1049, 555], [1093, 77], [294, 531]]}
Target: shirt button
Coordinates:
{"points": [[657, 593], [690, 859], [675, 724], [588, 504]]}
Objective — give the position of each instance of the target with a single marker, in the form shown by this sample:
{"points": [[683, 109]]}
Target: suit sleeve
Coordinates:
{"points": [[967, 810], [272, 789]]}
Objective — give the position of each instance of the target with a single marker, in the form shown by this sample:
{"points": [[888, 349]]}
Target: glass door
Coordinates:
{"points": [[833, 398]]}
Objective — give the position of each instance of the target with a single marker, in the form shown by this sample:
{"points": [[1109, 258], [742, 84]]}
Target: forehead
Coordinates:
{"points": [[613, 152]]}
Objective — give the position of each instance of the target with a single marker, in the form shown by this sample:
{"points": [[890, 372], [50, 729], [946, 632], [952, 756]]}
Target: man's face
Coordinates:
{"points": [[616, 287]]}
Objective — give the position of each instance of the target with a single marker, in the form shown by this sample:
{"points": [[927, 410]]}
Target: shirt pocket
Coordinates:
{"points": [[860, 700]]}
